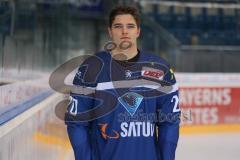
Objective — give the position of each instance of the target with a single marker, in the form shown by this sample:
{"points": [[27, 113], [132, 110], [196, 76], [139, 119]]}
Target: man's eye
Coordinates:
{"points": [[117, 26], [131, 26]]}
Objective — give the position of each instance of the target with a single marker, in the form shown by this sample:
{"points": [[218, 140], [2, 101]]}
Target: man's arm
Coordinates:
{"points": [[80, 141], [79, 131], [169, 120], [168, 126]]}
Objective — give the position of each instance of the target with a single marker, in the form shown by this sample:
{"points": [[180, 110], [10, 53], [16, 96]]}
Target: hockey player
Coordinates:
{"points": [[125, 118]]}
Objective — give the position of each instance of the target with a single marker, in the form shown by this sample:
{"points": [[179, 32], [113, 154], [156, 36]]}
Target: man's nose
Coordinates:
{"points": [[124, 30]]}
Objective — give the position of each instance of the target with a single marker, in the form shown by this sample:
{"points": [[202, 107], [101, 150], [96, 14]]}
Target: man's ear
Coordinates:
{"points": [[109, 32]]}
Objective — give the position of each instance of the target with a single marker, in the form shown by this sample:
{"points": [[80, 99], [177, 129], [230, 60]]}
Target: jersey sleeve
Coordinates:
{"points": [[168, 119], [79, 131], [82, 99]]}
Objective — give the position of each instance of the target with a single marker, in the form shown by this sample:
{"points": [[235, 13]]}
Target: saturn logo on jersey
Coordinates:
{"points": [[137, 129], [152, 73], [105, 135], [131, 129]]}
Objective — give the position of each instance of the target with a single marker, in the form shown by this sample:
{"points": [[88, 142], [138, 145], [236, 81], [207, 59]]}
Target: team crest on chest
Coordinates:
{"points": [[131, 101]]}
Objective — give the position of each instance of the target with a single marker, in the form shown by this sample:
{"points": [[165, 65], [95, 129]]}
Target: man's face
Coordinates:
{"points": [[124, 28]]}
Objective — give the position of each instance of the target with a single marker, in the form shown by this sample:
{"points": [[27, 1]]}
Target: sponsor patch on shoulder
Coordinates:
{"points": [[152, 73]]}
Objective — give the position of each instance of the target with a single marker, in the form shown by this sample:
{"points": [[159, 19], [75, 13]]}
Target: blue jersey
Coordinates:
{"points": [[132, 113]]}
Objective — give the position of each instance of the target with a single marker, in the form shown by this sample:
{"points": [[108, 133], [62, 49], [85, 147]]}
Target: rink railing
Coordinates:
{"points": [[29, 128]]}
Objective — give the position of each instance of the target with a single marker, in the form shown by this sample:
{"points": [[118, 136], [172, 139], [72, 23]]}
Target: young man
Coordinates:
{"points": [[134, 113]]}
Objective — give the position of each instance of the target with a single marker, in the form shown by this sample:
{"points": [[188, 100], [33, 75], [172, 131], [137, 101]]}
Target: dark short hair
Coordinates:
{"points": [[120, 10]]}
